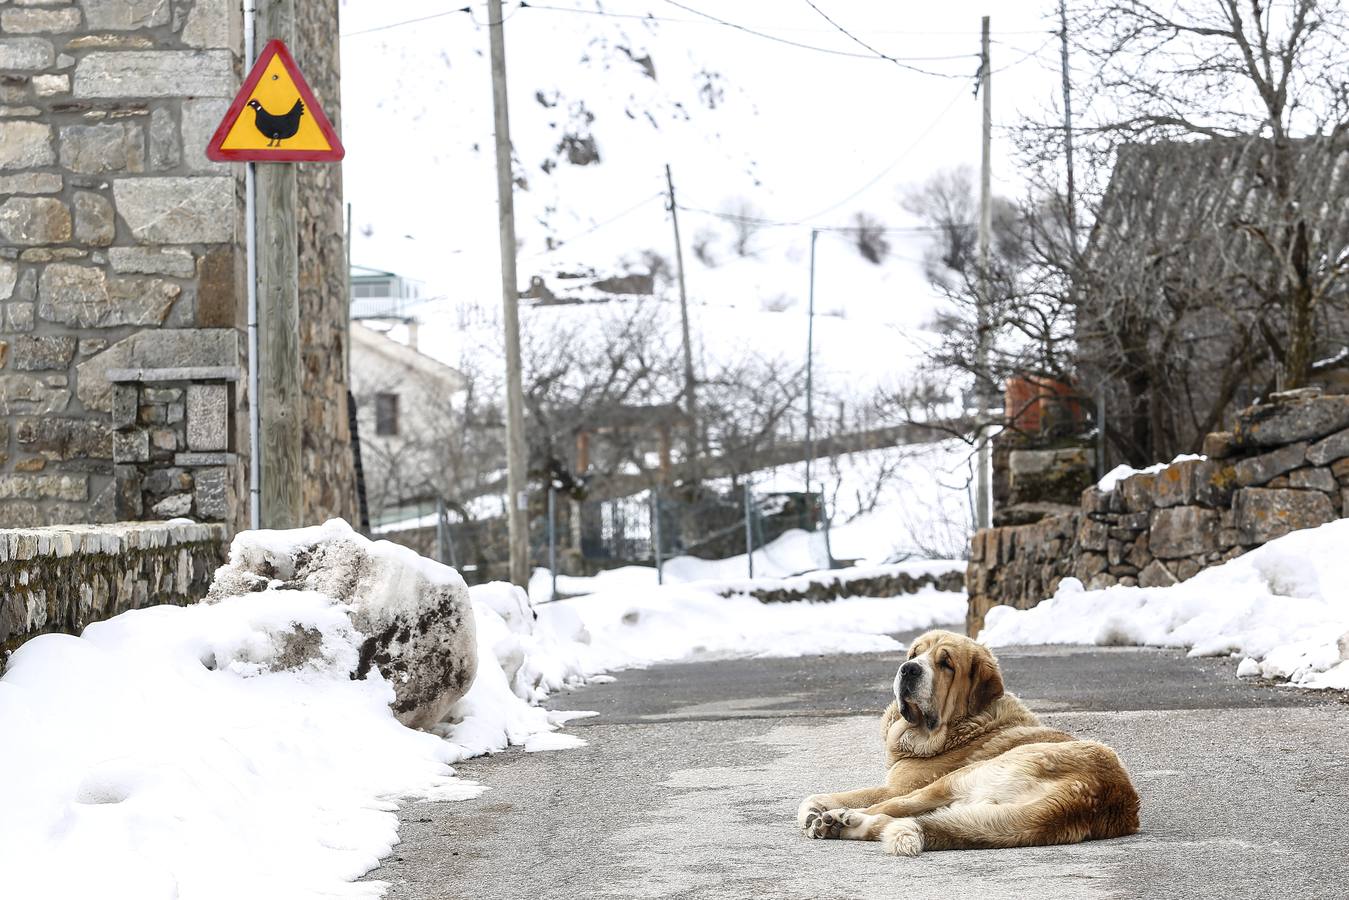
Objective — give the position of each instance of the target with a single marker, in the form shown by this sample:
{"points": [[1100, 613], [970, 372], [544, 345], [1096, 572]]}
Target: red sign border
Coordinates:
{"points": [[216, 152]]}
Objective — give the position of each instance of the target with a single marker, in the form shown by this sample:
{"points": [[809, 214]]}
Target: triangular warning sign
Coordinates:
{"points": [[275, 117]]}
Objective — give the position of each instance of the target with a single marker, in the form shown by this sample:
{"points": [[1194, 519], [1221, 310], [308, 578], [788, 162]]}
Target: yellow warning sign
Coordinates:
{"points": [[275, 117]]}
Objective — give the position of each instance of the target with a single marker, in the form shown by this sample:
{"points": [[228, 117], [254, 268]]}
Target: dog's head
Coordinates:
{"points": [[946, 678]]}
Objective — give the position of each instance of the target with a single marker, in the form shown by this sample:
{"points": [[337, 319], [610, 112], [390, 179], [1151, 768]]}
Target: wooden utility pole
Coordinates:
{"points": [[690, 386], [982, 494], [1071, 198], [517, 502], [282, 499]]}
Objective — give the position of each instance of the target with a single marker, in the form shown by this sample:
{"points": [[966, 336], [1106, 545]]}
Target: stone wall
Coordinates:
{"points": [[59, 579], [1284, 467], [121, 252]]}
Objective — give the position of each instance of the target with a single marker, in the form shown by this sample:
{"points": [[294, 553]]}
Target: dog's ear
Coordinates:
{"points": [[987, 683]]}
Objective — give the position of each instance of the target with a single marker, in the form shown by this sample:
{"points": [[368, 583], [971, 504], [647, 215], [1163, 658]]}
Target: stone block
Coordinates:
{"points": [[19, 317], [44, 487], [1214, 483], [1092, 535], [1263, 514], [208, 417], [142, 74], [1180, 531], [33, 394], [214, 497], [174, 261], [1101, 581], [1219, 444], [26, 54], [127, 501], [1088, 566], [85, 297], [173, 506], [1116, 551], [1156, 574], [1140, 553], [95, 149], [1187, 569], [34, 221], [1053, 476], [25, 145], [39, 21], [50, 85], [94, 223], [217, 299], [1176, 485], [163, 141], [33, 354], [125, 402], [131, 446], [164, 439], [30, 183], [1138, 492], [200, 116], [1340, 469], [155, 349], [208, 25], [64, 439], [9, 277], [197, 210], [1258, 470], [1329, 449], [1318, 479], [125, 15], [1309, 419]]}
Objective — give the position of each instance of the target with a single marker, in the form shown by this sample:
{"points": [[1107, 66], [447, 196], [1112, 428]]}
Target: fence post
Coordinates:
{"points": [[552, 540], [441, 529], [655, 534], [824, 520], [749, 530]]}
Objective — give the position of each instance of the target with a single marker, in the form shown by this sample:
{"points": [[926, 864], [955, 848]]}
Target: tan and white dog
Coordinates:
{"points": [[972, 767]]}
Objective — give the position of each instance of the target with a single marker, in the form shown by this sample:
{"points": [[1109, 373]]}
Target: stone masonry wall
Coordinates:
{"points": [[1284, 467], [59, 579], [119, 243], [121, 264]]}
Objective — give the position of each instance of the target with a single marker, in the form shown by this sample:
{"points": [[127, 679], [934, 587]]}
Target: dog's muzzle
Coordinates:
{"points": [[913, 693]]}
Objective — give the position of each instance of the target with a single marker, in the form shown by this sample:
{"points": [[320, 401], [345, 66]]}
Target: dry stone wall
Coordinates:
{"points": [[59, 579], [1284, 467]]}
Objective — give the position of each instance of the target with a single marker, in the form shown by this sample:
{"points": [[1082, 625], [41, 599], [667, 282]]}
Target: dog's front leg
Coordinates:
{"points": [[808, 814]]}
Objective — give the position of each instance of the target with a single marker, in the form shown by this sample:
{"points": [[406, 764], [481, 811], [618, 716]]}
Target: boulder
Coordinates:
{"points": [[415, 614]]}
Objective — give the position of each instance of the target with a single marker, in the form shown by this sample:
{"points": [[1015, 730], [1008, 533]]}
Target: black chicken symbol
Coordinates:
{"points": [[277, 128]]}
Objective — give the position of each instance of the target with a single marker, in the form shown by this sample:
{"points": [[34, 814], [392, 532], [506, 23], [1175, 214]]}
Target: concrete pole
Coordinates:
{"points": [[517, 501], [280, 395], [982, 504]]}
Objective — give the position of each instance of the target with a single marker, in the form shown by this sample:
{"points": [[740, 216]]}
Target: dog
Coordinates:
{"points": [[972, 768]]}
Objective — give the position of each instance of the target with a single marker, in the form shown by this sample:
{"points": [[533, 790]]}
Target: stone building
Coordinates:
{"points": [[122, 295]]}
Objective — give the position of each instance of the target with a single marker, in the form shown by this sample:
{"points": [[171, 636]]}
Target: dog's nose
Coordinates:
{"points": [[910, 671]]}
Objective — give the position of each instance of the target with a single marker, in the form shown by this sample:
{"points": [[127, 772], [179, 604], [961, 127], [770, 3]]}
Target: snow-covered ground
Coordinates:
{"points": [[164, 752], [1282, 608]]}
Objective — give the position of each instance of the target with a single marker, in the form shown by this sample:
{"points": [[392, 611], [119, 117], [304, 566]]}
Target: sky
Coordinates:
{"points": [[799, 134]]}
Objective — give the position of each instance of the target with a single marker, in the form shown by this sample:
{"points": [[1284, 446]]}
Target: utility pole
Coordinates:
{"points": [[517, 503], [690, 385], [981, 496], [1068, 121], [279, 397], [810, 364]]}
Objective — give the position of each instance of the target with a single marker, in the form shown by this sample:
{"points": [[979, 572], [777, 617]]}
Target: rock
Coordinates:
{"points": [[1187, 569], [1340, 469], [1138, 492], [30, 183], [1092, 535], [124, 15], [198, 210], [24, 145], [1219, 444], [94, 149], [214, 498], [1306, 393], [173, 261], [208, 417], [208, 25], [30, 354], [93, 219], [415, 614], [1100, 581], [26, 53], [34, 221], [1332, 448], [39, 21], [1258, 470], [163, 141], [1275, 424], [1177, 484], [85, 297], [1089, 565], [131, 446], [1312, 480], [1156, 575], [1263, 514], [1183, 531], [141, 74], [173, 506], [200, 118], [1214, 483]]}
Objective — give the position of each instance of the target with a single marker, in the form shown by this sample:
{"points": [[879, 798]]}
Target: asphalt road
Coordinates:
{"points": [[690, 782]]}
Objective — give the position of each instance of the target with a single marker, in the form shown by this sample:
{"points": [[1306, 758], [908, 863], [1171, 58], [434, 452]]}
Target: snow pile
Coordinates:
{"points": [[1283, 607], [168, 752], [1112, 478]]}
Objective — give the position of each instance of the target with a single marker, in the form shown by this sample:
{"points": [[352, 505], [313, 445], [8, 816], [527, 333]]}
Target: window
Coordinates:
{"points": [[386, 414]]}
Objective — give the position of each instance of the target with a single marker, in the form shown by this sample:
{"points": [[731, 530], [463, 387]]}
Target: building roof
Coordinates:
{"points": [[368, 340]]}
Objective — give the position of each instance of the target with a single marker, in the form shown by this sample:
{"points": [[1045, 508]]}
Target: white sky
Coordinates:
{"points": [[816, 128]]}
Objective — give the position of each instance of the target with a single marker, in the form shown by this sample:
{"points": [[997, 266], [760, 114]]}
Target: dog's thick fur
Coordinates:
{"points": [[972, 767]]}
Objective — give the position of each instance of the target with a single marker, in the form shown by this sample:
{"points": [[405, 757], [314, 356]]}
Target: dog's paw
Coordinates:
{"points": [[809, 811], [902, 837]]}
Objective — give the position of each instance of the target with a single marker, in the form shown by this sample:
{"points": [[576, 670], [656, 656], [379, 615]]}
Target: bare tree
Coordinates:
{"points": [[868, 236]]}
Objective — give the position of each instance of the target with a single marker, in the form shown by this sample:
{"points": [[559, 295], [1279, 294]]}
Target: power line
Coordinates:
{"points": [[863, 44], [781, 40], [448, 12], [775, 223], [597, 226]]}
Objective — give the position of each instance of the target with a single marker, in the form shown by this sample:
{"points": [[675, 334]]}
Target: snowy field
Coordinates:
{"points": [[168, 751], [1283, 609]]}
